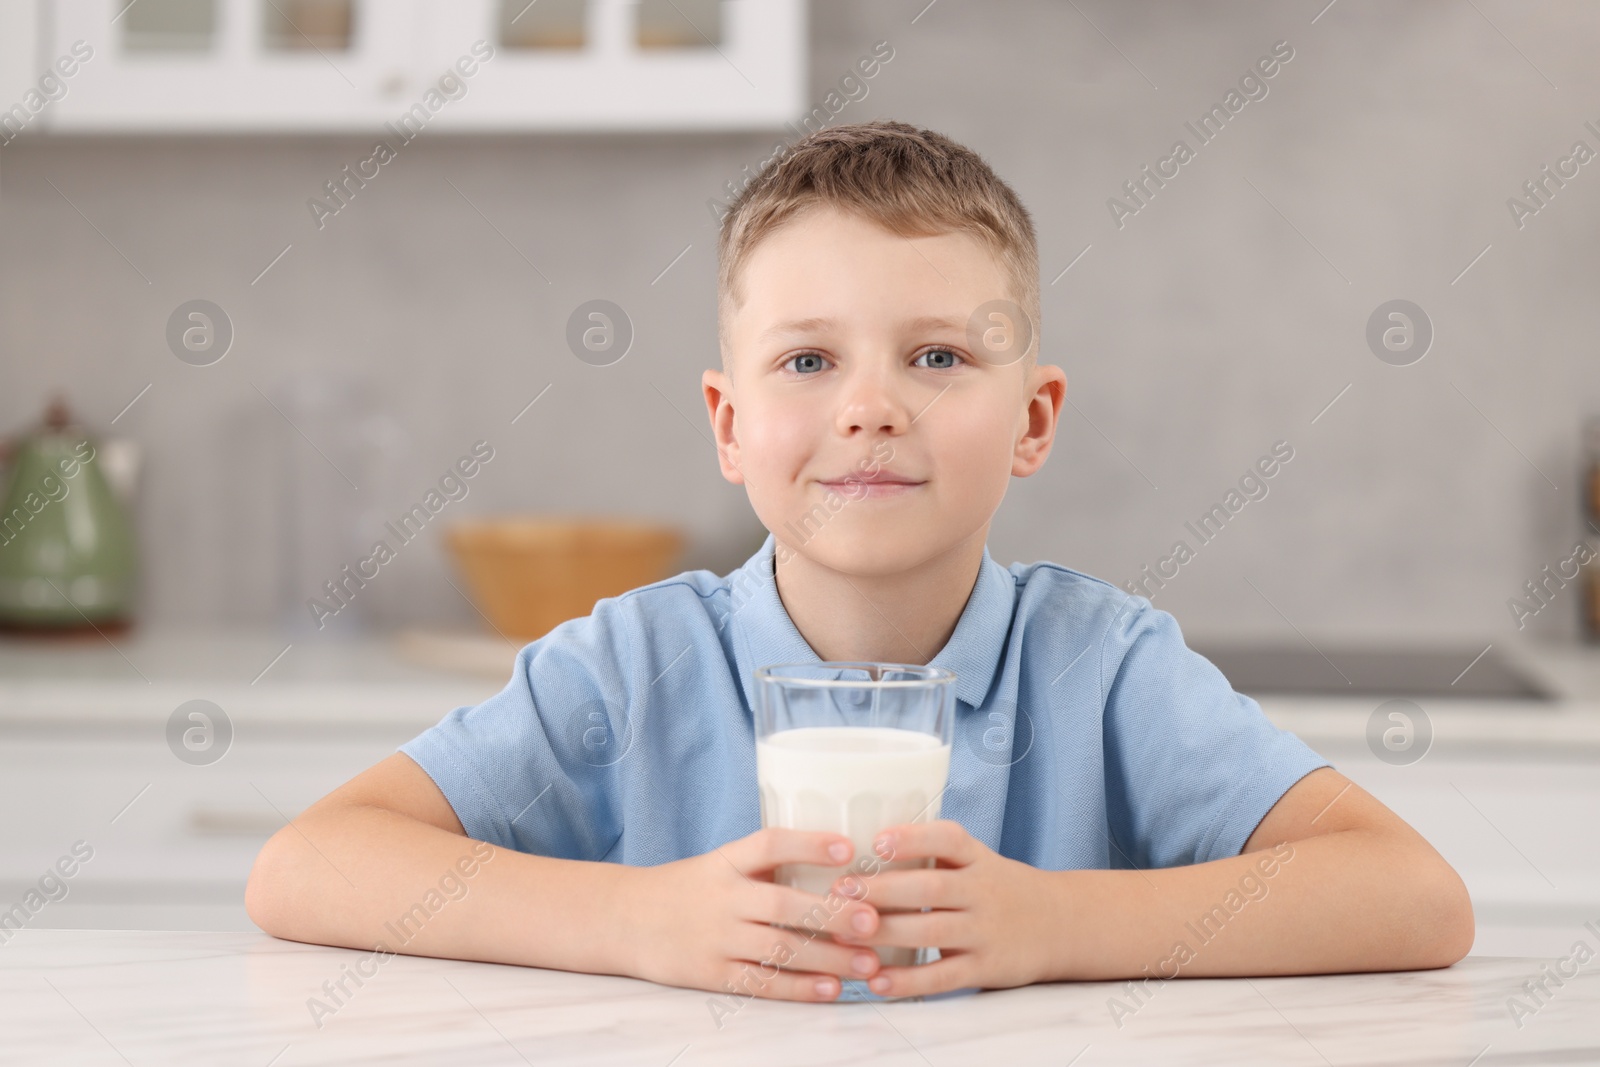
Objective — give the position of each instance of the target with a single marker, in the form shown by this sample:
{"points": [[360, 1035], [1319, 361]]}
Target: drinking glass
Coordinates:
{"points": [[853, 748]]}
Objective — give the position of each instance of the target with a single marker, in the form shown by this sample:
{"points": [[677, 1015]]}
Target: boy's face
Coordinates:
{"points": [[819, 416]]}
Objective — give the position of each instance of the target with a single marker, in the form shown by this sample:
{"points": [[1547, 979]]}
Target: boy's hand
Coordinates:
{"points": [[989, 919], [704, 922]]}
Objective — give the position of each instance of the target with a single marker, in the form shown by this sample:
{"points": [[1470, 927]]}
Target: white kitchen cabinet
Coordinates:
{"points": [[363, 65], [173, 843], [85, 755]]}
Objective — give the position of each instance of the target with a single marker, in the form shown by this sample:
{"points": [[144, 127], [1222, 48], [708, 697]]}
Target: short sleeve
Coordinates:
{"points": [[533, 768], [1192, 767]]}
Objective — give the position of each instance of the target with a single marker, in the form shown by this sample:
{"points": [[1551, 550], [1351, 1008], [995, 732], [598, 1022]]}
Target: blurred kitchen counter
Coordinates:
{"points": [[415, 677], [140, 677]]}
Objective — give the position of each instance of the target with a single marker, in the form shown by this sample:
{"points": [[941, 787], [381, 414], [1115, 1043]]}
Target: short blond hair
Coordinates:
{"points": [[912, 182]]}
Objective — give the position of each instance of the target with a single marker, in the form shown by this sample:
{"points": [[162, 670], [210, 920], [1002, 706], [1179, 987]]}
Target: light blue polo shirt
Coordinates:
{"points": [[1088, 735]]}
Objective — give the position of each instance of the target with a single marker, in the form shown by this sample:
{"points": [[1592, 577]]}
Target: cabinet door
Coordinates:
{"points": [[173, 843], [627, 64], [187, 65]]}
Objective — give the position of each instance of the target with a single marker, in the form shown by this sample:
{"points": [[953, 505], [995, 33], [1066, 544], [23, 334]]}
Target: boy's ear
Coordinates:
{"points": [[719, 406], [1047, 391]]}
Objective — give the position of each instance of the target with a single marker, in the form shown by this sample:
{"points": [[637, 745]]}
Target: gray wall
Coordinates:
{"points": [[1222, 317]]}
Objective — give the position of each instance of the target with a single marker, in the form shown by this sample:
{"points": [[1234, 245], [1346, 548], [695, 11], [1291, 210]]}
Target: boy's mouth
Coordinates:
{"points": [[882, 475], [873, 490], [880, 484]]}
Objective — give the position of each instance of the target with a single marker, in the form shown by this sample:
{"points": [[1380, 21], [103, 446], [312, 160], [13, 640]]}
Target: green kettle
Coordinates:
{"points": [[67, 554]]}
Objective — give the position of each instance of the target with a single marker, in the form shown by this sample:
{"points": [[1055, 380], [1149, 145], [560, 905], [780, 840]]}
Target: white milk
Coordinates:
{"points": [[854, 780]]}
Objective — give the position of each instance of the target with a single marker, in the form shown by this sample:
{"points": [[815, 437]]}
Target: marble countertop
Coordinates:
{"points": [[115, 996]]}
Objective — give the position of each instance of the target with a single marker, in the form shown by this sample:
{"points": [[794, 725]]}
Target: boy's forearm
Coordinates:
{"points": [[1347, 901], [365, 877]]}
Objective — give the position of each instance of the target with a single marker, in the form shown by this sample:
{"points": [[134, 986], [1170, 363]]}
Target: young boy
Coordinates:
{"points": [[1113, 804]]}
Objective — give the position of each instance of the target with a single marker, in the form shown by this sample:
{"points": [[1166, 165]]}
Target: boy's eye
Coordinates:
{"points": [[809, 359], [809, 362], [942, 354]]}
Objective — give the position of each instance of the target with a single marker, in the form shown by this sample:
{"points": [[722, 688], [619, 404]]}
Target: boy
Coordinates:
{"points": [[1113, 804]]}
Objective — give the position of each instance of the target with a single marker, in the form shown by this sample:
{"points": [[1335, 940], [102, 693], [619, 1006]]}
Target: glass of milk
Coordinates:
{"points": [[853, 748]]}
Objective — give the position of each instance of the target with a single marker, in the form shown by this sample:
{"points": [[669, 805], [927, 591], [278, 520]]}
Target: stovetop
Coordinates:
{"points": [[1331, 670]]}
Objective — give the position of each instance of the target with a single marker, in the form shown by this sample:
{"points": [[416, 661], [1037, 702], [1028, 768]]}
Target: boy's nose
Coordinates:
{"points": [[871, 403]]}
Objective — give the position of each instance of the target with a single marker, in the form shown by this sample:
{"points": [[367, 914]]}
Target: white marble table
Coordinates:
{"points": [[158, 997]]}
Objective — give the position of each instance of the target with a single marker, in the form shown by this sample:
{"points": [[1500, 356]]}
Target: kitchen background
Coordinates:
{"points": [[1219, 319], [1240, 304]]}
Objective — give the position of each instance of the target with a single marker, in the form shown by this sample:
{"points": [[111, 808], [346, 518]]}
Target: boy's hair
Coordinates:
{"points": [[910, 181]]}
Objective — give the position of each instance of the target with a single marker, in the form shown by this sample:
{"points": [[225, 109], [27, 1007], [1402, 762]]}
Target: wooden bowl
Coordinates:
{"points": [[529, 574]]}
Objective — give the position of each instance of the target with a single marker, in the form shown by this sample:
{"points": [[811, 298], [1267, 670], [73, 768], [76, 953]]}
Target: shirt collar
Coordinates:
{"points": [[763, 632]]}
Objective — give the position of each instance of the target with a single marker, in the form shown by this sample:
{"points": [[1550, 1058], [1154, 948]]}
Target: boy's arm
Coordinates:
{"points": [[382, 862], [357, 868], [1354, 889]]}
